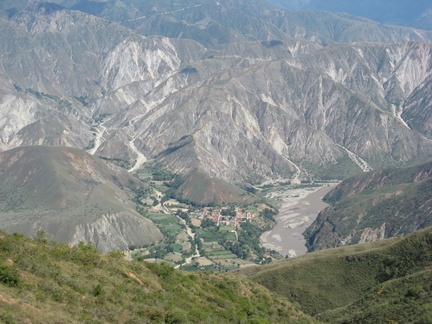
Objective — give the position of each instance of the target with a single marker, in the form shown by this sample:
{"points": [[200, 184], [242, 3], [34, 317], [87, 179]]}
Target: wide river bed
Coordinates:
{"points": [[298, 210]]}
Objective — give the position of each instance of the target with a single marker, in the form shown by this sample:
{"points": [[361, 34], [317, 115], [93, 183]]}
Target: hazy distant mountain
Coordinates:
{"points": [[73, 197], [227, 21], [414, 13]]}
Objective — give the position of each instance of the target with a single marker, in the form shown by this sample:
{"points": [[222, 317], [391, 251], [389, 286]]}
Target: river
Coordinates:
{"points": [[298, 209]]}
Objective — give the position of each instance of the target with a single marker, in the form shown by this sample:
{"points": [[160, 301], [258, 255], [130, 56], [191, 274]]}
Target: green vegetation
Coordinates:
{"points": [[90, 145], [172, 228], [164, 180], [341, 170], [406, 299], [83, 100], [217, 243], [47, 282], [119, 162], [237, 243], [366, 283], [398, 200], [9, 276], [40, 95]]}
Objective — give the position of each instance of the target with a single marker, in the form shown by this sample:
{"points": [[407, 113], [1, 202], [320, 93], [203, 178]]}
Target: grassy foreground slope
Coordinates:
{"points": [[361, 283], [47, 282]]}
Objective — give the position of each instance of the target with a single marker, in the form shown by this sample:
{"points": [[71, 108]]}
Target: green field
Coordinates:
{"points": [[167, 223], [224, 256], [208, 235]]}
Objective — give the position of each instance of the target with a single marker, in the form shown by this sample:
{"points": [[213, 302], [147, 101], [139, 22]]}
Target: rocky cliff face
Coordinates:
{"points": [[285, 125], [117, 231], [266, 107], [373, 206]]}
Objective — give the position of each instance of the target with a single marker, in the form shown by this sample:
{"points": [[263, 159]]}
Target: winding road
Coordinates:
{"points": [[189, 232]]}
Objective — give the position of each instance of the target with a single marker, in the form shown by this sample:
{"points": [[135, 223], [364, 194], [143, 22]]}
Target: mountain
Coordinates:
{"points": [[373, 206], [414, 13], [267, 107], [73, 197], [76, 285], [199, 188], [228, 21], [326, 113], [378, 282]]}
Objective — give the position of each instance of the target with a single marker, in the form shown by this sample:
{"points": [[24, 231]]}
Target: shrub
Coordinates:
{"points": [[41, 237], [7, 319], [116, 254], [176, 317], [98, 291], [163, 270], [9, 276]]}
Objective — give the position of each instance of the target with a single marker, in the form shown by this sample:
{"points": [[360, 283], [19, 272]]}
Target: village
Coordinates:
{"points": [[224, 216]]}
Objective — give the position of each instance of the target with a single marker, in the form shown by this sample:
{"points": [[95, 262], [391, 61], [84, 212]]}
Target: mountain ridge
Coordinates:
{"points": [[228, 21], [73, 197], [372, 206], [405, 12], [370, 282]]}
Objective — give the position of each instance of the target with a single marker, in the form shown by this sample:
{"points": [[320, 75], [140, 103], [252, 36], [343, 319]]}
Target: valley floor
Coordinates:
{"points": [[299, 207]]}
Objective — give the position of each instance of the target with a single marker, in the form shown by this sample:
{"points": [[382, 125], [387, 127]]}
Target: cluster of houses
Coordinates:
{"points": [[218, 217]]}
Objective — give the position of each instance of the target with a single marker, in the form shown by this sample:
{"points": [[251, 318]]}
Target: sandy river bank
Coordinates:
{"points": [[299, 208]]}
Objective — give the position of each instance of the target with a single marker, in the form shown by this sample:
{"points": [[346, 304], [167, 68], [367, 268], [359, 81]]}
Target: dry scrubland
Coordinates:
{"points": [[47, 282]]}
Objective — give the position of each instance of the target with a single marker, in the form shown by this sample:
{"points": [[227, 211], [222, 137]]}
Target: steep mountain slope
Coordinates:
{"points": [[72, 196], [200, 188], [375, 282], [323, 113], [47, 282], [47, 90], [246, 112], [374, 206], [38, 85], [417, 109]]}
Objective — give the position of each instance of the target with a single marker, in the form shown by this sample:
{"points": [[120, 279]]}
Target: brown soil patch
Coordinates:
{"points": [[7, 299], [204, 261], [134, 276], [196, 222]]}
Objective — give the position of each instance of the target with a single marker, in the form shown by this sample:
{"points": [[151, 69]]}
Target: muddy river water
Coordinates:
{"points": [[298, 209]]}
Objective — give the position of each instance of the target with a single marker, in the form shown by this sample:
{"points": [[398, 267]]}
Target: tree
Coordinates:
{"points": [[40, 236]]}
